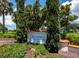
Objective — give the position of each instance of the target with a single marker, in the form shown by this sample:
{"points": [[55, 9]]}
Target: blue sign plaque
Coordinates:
{"points": [[37, 37]]}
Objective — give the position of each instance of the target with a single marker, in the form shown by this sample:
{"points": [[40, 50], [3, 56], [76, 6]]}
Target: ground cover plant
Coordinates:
{"points": [[41, 51], [12, 51]]}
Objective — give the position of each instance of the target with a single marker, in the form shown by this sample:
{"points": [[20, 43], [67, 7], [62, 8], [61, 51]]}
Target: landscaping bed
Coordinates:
{"points": [[68, 50], [19, 50], [39, 51], [73, 48]]}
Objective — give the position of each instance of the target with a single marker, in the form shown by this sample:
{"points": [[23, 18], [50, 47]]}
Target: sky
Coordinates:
{"points": [[74, 10]]}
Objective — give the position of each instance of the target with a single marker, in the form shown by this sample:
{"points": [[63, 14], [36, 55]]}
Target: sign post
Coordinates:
{"points": [[37, 37]]}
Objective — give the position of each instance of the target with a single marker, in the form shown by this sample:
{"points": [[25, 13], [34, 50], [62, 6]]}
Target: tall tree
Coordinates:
{"points": [[53, 24], [5, 8], [19, 19], [65, 17]]}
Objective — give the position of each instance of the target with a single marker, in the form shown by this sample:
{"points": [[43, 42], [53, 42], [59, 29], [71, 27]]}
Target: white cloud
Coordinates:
{"points": [[8, 22], [74, 8], [15, 9], [75, 21]]}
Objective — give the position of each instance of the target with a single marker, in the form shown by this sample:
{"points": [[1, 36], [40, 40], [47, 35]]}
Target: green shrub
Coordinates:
{"points": [[73, 38], [72, 35], [40, 49], [19, 51], [13, 51]]}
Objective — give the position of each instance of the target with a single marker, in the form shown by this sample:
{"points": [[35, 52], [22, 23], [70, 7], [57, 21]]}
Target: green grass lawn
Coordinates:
{"points": [[19, 50], [8, 35]]}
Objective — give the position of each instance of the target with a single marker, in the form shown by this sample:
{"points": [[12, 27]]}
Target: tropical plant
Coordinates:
{"points": [[26, 18], [36, 16], [33, 16], [5, 8]]}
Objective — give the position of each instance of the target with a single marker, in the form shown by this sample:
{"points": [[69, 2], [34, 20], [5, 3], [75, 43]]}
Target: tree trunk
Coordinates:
{"points": [[3, 22]]}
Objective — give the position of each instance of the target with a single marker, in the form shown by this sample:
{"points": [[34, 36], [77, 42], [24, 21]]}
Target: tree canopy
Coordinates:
{"points": [[65, 18], [65, 15]]}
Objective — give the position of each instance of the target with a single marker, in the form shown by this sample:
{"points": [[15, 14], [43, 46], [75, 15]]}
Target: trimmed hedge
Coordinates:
{"points": [[73, 38], [8, 35]]}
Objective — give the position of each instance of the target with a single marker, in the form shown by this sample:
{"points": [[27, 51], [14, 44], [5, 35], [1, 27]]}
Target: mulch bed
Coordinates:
{"points": [[7, 38]]}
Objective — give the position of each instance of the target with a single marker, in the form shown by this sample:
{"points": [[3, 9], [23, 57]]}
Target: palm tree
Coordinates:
{"points": [[5, 8]]}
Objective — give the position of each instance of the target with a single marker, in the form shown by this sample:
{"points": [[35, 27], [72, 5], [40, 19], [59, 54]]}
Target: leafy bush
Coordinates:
{"points": [[73, 38], [40, 49], [72, 35], [8, 35], [13, 51]]}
